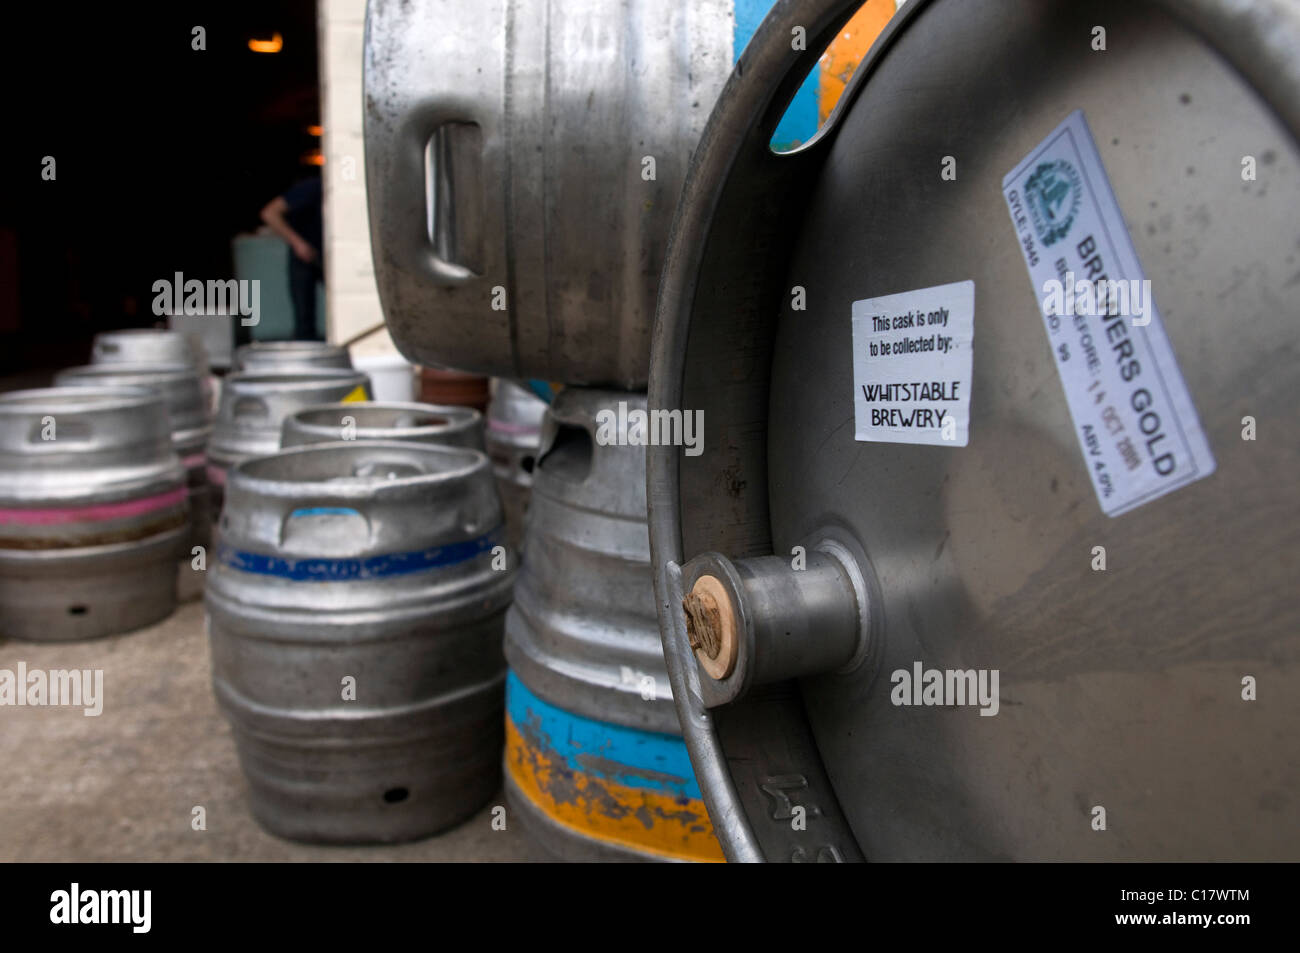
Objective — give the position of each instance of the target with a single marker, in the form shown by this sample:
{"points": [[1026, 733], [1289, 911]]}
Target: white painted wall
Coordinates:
{"points": [[352, 300]]}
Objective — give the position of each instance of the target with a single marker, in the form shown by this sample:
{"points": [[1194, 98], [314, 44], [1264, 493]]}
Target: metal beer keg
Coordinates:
{"points": [[355, 617], [522, 161], [290, 355], [149, 346], [982, 558], [594, 757], [184, 395], [93, 512], [254, 405]]}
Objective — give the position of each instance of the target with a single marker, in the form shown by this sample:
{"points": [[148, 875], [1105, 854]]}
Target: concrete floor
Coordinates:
{"points": [[122, 786]]}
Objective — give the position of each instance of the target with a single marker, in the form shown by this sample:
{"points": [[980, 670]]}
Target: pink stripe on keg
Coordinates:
{"points": [[216, 475], [97, 512], [503, 427], [194, 460]]}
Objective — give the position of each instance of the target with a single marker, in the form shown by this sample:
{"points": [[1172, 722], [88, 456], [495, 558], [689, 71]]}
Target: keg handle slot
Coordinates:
{"points": [[302, 511], [327, 528], [794, 98], [453, 201], [566, 453], [413, 418], [376, 467], [248, 408]]}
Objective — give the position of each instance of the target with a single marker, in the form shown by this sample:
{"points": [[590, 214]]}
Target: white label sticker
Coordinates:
{"points": [[1132, 413], [912, 365]]}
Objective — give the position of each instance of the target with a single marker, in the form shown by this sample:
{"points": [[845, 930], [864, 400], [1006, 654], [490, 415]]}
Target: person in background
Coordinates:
{"points": [[296, 217]]}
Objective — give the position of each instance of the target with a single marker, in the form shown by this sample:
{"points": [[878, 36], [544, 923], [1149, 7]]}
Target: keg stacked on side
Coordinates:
{"points": [[93, 512], [514, 434], [594, 758], [183, 393], [254, 405], [1124, 687], [557, 173], [356, 612]]}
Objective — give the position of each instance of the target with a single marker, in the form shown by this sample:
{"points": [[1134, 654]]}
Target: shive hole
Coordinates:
{"points": [[396, 795]]}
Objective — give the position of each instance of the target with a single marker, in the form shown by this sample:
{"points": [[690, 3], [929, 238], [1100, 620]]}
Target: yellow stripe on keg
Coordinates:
{"points": [[357, 395], [638, 819], [624, 786], [846, 51]]}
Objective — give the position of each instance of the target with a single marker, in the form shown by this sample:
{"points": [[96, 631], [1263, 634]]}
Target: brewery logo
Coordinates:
{"points": [[1053, 193]]}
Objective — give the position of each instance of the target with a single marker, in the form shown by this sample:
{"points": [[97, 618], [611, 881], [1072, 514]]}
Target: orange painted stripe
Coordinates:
{"points": [[643, 820], [846, 51]]}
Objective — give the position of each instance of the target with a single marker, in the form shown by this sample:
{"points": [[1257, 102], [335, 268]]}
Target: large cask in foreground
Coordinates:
{"points": [[1045, 632]]}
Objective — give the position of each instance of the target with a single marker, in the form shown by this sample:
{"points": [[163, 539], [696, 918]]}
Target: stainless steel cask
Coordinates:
{"points": [[355, 618], [1039, 638], [595, 762], [184, 395], [290, 355], [254, 405], [522, 161], [93, 512]]}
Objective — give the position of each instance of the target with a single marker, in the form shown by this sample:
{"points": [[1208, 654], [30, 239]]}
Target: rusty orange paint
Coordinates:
{"points": [[646, 821], [847, 51]]}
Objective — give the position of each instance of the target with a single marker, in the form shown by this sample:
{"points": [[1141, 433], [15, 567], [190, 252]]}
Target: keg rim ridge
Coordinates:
{"points": [[15, 403], [242, 474]]}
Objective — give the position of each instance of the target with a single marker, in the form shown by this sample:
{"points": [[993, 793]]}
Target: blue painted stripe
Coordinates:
{"points": [[800, 120], [542, 389], [606, 747], [325, 511], [371, 567], [749, 14]]}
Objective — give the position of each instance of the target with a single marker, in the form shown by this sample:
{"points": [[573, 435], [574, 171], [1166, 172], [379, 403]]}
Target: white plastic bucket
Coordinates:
{"points": [[392, 377]]}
